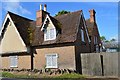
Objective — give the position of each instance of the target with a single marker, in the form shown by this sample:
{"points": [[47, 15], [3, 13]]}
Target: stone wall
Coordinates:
{"points": [[101, 64]]}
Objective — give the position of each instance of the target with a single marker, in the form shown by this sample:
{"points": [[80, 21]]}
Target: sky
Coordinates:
{"points": [[106, 13]]}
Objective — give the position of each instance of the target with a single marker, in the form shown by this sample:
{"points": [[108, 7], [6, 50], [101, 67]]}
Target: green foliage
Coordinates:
{"points": [[30, 32], [7, 74], [62, 12], [25, 76], [60, 77], [10, 75], [113, 39], [107, 41], [72, 75], [103, 38]]}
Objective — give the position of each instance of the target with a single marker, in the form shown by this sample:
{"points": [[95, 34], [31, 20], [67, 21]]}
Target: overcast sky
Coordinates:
{"points": [[106, 12]]}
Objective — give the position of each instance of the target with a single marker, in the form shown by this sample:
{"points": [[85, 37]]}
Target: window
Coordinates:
{"points": [[51, 61], [82, 35], [13, 61], [95, 40], [50, 34]]}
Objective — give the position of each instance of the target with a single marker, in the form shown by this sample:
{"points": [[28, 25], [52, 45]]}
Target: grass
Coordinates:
{"points": [[6, 74], [10, 75], [72, 75], [59, 77]]}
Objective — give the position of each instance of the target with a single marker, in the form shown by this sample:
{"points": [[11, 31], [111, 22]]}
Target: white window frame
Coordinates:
{"points": [[13, 61], [48, 36], [82, 35], [56, 58]]}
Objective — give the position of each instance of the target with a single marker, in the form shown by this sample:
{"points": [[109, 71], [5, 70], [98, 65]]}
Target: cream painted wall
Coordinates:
{"points": [[50, 26], [12, 41]]}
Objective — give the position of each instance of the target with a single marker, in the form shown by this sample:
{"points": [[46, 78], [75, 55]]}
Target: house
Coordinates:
{"points": [[15, 42], [111, 46], [48, 42], [93, 32]]}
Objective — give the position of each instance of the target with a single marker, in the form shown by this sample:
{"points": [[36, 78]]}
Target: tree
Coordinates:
{"points": [[62, 12], [103, 38], [113, 40], [107, 41]]}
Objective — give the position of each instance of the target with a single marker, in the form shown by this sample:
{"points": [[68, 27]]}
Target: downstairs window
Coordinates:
{"points": [[51, 61], [13, 61]]}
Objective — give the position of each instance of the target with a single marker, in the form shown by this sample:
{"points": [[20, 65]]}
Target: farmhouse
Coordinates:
{"points": [[48, 42]]}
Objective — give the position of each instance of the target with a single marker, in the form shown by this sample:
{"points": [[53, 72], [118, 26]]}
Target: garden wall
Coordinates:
{"points": [[101, 64]]}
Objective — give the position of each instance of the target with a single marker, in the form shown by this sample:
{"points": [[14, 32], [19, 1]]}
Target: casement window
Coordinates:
{"points": [[13, 61], [95, 40], [50, 34], [51, 61], [82, 35]]}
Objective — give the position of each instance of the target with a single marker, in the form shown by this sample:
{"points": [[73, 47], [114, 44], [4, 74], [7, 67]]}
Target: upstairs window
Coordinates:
{"points": [[50, 34], [82, 35]]}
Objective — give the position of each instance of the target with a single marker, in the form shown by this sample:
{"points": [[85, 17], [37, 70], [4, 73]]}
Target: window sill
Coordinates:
{"points": [[51, 67], [13, 66]]}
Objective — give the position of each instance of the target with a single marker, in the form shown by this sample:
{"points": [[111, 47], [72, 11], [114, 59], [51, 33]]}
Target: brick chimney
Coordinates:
{"points": [[40, 15], [92, 15], [45, 7]]}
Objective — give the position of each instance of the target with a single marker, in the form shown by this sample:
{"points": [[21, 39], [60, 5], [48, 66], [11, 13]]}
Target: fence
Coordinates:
{"points": [[101, 64]]}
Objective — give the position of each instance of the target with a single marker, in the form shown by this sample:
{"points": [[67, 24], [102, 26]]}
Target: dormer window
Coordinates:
{"points": [[50, 34], [49, 29]]}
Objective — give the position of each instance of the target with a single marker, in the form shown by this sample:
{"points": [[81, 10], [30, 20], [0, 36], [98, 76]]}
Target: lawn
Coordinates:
{"points": [[66, 75]]}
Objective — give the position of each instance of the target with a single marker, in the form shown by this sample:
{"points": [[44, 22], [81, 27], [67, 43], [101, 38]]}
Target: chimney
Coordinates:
{"points": [[40, 15], [45, 7], [92, 15]]}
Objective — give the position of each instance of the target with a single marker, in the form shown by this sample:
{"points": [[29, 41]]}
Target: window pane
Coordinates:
{"points": [[54, 61], [47, 34], [82, 35], [51, 33], [96, 40], [13, 61], [51, 61]]}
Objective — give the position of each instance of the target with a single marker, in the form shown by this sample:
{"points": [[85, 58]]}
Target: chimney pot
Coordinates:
{"points": [[45, 7], [40, 6]]}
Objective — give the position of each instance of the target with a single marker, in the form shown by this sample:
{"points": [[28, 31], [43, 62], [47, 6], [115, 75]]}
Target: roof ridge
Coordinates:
{"points": [[19, 16]]}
